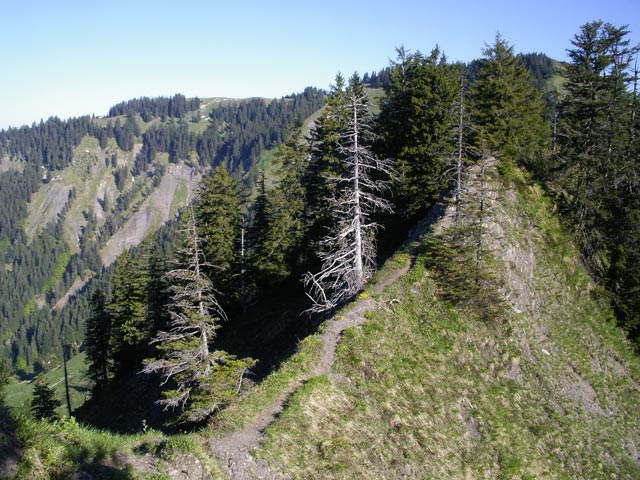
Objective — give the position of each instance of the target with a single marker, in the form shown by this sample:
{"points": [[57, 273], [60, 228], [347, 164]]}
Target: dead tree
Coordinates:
{"points": [[348, 254], [456, 169]]}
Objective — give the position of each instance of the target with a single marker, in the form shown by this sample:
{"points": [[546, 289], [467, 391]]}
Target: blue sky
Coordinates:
{"points": [[70, 58]]}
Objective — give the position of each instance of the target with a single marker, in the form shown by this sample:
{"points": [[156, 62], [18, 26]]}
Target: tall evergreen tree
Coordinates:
{"points": [[459, 254], [156, 289], [415, 128], [97, 336], [508, 110], [594, 124], [127, 309], [5, 375], [325, 162], [43, 402], [218, 214], [278, 226], [597, 168]]}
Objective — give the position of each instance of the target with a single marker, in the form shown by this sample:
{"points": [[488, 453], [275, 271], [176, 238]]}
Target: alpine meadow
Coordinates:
{"points": [[426, 271]]}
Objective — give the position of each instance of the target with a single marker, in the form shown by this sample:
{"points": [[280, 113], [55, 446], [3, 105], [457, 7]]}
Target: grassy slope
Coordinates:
{"points": [[429, 391], [18, 395], [426, 390]]}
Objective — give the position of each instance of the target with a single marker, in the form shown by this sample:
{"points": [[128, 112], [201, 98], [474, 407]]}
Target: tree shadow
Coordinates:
{"points": [[269, 330]]}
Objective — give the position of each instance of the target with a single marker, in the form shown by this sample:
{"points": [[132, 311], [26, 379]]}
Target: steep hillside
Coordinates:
{"points": [[78, 192], [422, 388], [173, 192], [405, 382]]}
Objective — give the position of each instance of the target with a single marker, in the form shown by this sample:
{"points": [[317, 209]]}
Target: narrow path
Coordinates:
{"points": [[235, 449]]}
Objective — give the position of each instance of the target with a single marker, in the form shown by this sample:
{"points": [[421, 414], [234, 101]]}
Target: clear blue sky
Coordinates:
{"points": [[70, 58]]}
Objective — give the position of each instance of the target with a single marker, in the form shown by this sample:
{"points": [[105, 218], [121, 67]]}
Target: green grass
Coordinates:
{"points": [[179, 198], [425, 389], [375, 95], [291, 372], [18, 395], [308, 122], [429, 391], [61, 449]]}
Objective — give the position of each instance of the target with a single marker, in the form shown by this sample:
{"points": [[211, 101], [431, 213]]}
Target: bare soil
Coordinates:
{"points": [[154, 211]]}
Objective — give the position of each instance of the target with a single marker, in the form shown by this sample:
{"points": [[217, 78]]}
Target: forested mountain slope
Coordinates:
{"points": [[514, 376], [491, 344], [75, 193]]}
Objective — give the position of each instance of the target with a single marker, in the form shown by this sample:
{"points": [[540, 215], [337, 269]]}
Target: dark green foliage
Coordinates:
{"points": [[595, 156], [377, 79], [347, 251], [97, 340], [460, 256], [124, 133], [28, 271], [324, 163], [5, 376], [157, 290], [539, 65], [43, 402], [15, 189], [50, 143], [219, 219], [597, 166], [415, 126], [130, 327], [508, 110], [205, 379], [238, 133], [29, 328], [149, 108], [243, 130], [278, 227], [30, 334], [175, 139]]}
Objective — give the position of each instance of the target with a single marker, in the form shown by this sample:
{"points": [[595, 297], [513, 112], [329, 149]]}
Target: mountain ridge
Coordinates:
{"points": [[527, 394]]}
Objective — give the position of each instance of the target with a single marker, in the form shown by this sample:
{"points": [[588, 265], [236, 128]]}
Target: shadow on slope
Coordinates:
{"points": [[267, 331]]}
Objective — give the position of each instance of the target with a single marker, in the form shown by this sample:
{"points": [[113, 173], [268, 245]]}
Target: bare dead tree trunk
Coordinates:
{"points": [[357, 211], [348, 256], [481, 213], [459, 164]]}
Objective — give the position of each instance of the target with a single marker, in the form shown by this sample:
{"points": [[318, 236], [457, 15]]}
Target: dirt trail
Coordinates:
{"points": [[235, 449]]}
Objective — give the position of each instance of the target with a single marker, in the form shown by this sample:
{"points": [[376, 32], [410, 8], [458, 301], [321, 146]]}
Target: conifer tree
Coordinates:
{"points": [[127, 309], [43, 402], [348, 252], [594, 127], [325, 162], [597, 169], [218, 214], [156, 288], [460, 255], [97, 336], [414, 128], [508, 110], [278, 226], [202, 378], [5, 375], [456, 171]]}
